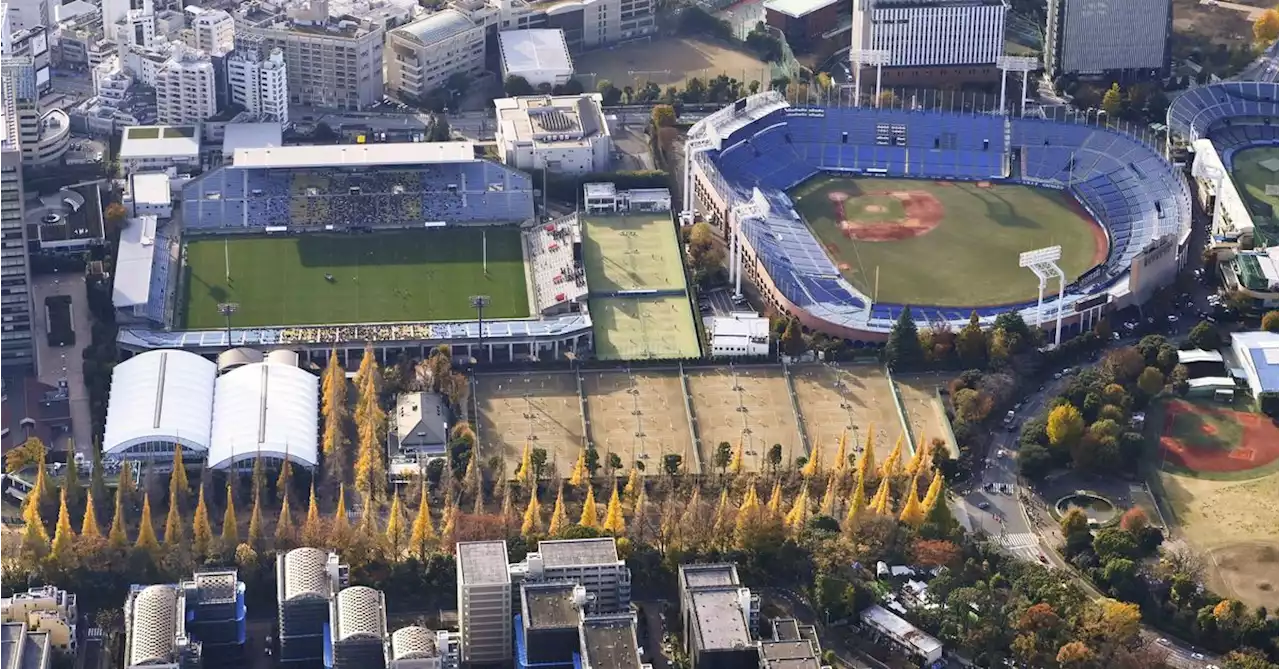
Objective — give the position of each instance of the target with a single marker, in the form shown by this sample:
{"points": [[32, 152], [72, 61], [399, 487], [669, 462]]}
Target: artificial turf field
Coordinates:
{"points": [[1253, 170], [404, 275], [947, 244]]}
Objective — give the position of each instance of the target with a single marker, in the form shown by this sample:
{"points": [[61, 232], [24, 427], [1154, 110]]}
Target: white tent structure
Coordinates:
{"points": [[158, 399], [266, 409]]}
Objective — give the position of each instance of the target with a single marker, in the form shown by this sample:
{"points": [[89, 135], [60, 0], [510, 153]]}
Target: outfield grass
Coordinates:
{"points": [[969, 259], [1252, 178], [411, 275]]}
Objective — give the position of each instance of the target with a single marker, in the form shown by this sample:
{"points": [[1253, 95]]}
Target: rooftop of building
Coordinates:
{"points": [[437, 27], [483, 563], [21, 648], [549, 605], [547, 119], [718, 619], [578, 552], [610, 642], [238, 136], [74, 213], [160, 141], [529, 52], [708, 575], [150, 188], [1263, 350]]}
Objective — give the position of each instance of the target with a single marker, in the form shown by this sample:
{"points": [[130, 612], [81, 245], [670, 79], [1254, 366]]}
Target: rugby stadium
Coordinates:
{"points": [[845, 216], [406, 246], [1231, 129]]}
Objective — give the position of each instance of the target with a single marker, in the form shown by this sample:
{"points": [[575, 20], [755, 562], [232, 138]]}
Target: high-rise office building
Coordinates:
{"points": [[484, 602], [592, 563], [17, 348], [306, 580], [358, 629], [1122, 38]]}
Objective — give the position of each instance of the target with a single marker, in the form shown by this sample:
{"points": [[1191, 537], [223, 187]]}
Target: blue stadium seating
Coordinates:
{"points": [[1131, 189], [1197, 112], [469, 191]]}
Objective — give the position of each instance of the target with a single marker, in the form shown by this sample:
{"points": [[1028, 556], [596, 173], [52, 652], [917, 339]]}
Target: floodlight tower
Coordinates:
{"points": [[479, 302], [702, 138], [1021, 64], [756, 207], [861, 51], [1044, 264], [226, 309], [1202, 169]]}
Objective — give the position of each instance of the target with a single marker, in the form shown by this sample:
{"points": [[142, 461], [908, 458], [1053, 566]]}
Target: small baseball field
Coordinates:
{"points": [[945, 243], [391, 276], [1216, 475], [1254, 172]]}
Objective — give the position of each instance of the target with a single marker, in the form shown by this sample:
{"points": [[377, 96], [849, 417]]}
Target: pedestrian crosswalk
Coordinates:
{"points": [[1023, 545]]}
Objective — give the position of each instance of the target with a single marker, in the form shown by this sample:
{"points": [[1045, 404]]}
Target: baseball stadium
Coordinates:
{"points": [[405, 246], [843, 217]]}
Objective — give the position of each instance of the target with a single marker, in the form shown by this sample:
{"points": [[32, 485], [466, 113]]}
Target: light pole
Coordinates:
{"points": [[226, 309], [479, 302]]}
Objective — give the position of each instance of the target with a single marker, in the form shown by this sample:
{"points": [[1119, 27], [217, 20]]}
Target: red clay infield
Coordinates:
{"points": [[1259, 441], [921, 213]]}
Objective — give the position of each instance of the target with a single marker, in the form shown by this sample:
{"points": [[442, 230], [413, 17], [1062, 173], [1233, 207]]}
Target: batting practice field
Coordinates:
{"points": [[318, 279], [945, 243]]}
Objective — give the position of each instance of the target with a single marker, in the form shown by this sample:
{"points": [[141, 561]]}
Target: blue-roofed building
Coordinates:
{"points": [[1258, 357]]}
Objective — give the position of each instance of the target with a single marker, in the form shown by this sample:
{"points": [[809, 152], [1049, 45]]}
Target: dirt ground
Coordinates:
{"points": [[542, 409], [862, 400], [642, 425], [758, 412], [668, 61], [924, 411], [1236, 524]]}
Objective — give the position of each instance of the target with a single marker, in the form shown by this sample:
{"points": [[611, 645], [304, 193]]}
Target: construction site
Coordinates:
{"points": [[641, 415]]}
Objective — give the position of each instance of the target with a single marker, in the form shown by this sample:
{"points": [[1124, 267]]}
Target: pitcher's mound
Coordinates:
{"points": [[837, 196], [873, 209]]}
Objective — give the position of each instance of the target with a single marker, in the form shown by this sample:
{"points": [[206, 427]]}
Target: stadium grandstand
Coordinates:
{"points": [[1230, 127], [365, 235], [760, 147]]}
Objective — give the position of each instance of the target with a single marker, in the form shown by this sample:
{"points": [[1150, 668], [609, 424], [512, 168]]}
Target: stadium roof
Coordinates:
{"points": [[265, 408], [535, 53], [345, 155], [160, 142], [797, 8], [160, 396], [132, 285], [1259, 354]]}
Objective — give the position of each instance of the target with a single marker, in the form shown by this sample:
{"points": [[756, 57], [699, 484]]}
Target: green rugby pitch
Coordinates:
{"points": [[947, 244], [404, 275]]}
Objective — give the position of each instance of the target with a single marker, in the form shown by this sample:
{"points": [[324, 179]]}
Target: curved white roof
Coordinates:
{"points": [[265, 409], [360, 613], [154, 623], [163, 395], [306, 573], [412, 643]]}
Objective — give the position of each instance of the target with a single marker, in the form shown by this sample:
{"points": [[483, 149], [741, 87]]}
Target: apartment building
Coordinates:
{"points": [[45, 609], [422, 55], [17, 350], [186, 91], [484, 602], [332, 59], [358, 629], [592, 563], [307, 579], [212, 31], [565, 134], [258, 80]]}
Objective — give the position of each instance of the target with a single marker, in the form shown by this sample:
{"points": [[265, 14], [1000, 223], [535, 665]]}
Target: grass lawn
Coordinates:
{"points": [[952, 244], [1252, 178], [412, 275], [635, 252], [644, 328]]}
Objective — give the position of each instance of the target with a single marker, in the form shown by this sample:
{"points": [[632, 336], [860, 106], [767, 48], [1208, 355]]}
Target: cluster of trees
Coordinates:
{"points": [[1088, 425], [939, 347], [1266, 28], [706, 257]]}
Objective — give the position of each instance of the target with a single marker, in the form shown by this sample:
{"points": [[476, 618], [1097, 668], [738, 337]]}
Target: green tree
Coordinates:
{"points": [[1066, 426], [71, 484], [971, 343], [1205, 336], [792, 341], [671, 463], [724, 453], [775, 457], [97, 480], [1113, 101], [1151, 381], [903, 352], [440, 130], [516, 85], [1112, 542], [1271, 321], [663, 116]]}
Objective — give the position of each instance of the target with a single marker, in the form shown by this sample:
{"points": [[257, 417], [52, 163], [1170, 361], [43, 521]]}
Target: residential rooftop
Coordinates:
{"points": [[549, 605], [610, 643], [718, 619], [709, 575]]}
